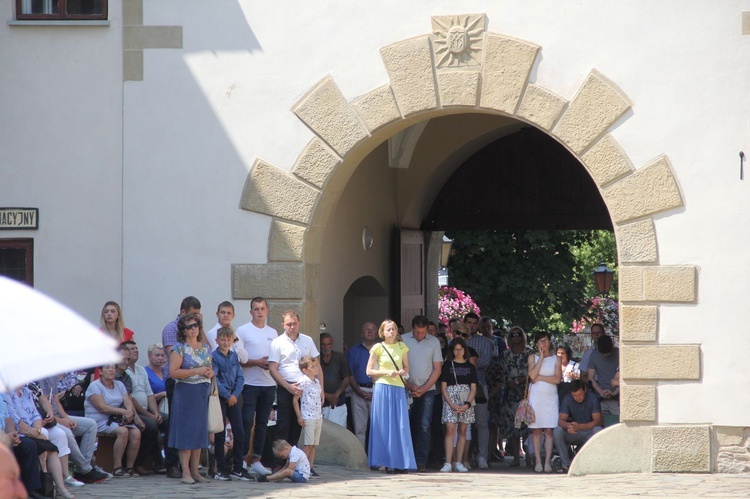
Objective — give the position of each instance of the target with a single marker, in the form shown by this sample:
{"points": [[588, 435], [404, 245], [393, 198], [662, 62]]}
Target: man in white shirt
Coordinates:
{"points": [[283, 360], [225, 316], [260, 388]]}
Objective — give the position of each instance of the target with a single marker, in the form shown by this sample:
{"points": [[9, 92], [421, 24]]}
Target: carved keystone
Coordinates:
{"points": [[505, 71], [261, 194], [409, 67]]}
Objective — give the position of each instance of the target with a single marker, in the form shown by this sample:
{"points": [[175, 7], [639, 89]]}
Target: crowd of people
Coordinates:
{"points": [[440, 396]]}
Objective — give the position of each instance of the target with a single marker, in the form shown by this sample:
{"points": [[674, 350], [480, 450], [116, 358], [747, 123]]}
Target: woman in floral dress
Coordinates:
{"points": [[510, 373]]}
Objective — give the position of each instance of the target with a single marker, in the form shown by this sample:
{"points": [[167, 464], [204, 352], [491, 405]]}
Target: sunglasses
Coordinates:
{"points": [[464, 335], [515, 335], [191, 326]]}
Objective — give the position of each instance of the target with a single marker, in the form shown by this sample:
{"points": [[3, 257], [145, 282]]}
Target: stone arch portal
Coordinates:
{"points": [[460, 68]]}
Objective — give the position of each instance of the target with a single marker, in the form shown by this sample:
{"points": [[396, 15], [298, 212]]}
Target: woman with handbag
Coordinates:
{"points": [[390, 435], [458, 383], [191, 367], [512, 370], [544, 374]]}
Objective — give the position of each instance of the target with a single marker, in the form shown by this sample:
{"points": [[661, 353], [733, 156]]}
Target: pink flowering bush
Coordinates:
{"points": [[452, 302], [602, 310]]}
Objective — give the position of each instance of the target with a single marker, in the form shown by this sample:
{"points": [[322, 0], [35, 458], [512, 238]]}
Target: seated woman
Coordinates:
{"points": [[30, 424], [157, 359], [108, 403], [71, 390]]}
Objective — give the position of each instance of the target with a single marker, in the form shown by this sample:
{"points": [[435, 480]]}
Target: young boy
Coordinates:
{"points": [[309, 415], [229, 380], [297, 468]]}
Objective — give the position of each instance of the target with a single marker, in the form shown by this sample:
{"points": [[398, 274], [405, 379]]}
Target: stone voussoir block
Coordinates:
{"points": [[681, 449], [597, 106], [327, 112], [505, 71], [541, 106], [649, 190], [458, 88], [410, 69], [316, 163], [637, 403], [606, 161], [639, 323], [281, 281], [660, 362], [377, 108], [261, 194], [286, 242], [636, 242]]}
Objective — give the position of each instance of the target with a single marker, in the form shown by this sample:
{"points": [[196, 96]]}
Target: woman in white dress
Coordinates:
{"points": [[544, 374]]}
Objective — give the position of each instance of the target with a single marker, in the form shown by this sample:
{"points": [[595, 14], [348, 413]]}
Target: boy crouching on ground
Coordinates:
{"points": [[308, 407], [297, 467]]}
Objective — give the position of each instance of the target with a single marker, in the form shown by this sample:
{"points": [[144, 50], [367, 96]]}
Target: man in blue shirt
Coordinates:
{"points": [[580, 419], [23, 449], [360, 382]]}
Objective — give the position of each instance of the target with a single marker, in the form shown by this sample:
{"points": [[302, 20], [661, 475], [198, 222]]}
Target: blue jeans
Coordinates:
{"points": [[420, 421], [297, 477], [257, 402]]}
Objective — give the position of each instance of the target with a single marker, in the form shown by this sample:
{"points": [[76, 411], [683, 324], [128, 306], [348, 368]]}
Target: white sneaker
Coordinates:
{"points": [[460, 468], [482, 463], [258, 468], [69, 480], [446, 468]]}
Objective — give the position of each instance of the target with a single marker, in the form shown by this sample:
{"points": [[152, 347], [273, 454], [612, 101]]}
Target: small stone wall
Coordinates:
{"points": [[733, 450]]}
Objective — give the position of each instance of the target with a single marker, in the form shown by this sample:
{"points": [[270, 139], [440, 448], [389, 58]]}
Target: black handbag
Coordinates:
{"points": [[48, 485]]}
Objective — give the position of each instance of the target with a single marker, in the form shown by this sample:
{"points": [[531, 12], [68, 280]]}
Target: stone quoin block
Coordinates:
{"points": [[281, 281], [541, 106], [327, 112], [636, 242], [262, 194], [637, 403], [597, 106], [286, 242], [410, 69], [505, 71], [377, 108], [152, 37], [638, 323], [660, 362], [630, 282], [674, 283], [681, 449]]}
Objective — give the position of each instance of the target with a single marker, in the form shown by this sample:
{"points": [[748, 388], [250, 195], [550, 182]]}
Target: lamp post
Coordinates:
{"points": [[445, 254], [603, 277]]}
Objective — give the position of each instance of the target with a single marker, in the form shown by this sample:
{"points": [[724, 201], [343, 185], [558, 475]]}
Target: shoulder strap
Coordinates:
{"points": [[394, 363]]}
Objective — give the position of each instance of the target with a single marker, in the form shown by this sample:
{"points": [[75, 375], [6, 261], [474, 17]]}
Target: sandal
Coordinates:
{"points": [[131, 473], [119, 473]]}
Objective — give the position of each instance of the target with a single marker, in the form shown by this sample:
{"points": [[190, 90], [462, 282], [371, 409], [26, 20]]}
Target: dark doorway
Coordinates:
{"points": [[17, 259]]}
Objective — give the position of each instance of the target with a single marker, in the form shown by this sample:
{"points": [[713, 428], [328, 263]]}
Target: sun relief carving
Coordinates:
{"points": [[457, 40]]}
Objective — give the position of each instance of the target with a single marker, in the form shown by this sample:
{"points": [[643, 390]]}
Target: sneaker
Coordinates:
{"points": [[109, 475], [93, 476], [69, 480], [460, 468], [241, 475], [258, 468], [313, 474], [222, 476], [446, 468], [482, 463]]}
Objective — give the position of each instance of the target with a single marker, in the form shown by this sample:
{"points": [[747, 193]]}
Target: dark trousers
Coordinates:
{"points": [[150, 441], [287, 426], [420, 421], [257, 402], [26, 455], [234, 413], [171, 459]]}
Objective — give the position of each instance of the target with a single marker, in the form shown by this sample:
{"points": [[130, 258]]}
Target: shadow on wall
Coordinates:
{"points": [[365, 300]]}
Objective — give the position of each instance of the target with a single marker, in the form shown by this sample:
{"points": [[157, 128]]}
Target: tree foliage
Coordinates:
{"points": [[538, 280]]}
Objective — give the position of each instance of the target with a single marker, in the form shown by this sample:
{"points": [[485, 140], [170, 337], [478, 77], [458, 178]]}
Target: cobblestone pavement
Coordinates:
{"points": [[499, 481]]}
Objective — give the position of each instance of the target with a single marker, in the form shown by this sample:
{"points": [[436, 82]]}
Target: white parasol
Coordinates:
{"points": [[41, 337]]}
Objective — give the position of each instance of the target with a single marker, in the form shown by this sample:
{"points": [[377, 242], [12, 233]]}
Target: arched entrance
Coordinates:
{"points": [[463, 73]]}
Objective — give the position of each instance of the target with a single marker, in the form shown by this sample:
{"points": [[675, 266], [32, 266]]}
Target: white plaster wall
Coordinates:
{"points": [[60, 151]]}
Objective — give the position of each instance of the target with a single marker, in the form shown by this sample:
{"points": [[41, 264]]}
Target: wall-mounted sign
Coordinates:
{"points": [[19, 218]]}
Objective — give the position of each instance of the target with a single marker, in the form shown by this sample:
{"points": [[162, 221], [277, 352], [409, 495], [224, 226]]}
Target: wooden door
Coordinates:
{"points": [[411, 267]]}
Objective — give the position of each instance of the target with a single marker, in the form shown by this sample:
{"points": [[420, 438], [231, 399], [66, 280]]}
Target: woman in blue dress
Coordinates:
{"points": [[190, 366], [390, 435]]}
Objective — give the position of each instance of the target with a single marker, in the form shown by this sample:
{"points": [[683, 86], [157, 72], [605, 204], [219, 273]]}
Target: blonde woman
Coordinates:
{"points": [[390, 437], [112, 323]]}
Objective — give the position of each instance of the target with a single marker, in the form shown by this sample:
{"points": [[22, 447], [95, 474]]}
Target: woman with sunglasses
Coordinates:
{"points": [[508, 376], [190, 365]]}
